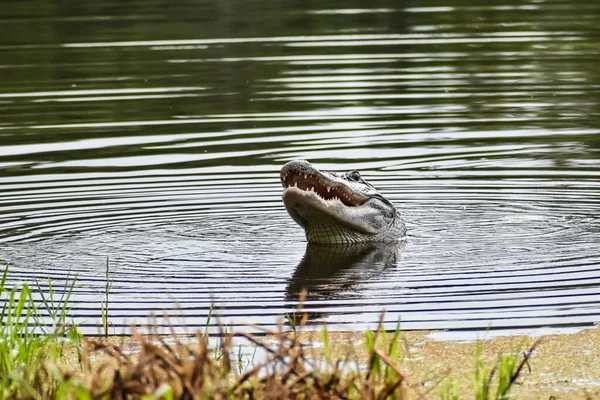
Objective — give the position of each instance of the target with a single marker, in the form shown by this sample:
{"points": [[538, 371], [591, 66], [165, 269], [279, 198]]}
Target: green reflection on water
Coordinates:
{"points": [[474, 67]]}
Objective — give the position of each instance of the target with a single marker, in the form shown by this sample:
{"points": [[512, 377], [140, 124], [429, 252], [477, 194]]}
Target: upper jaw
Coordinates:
{"points": [[326, 185]]}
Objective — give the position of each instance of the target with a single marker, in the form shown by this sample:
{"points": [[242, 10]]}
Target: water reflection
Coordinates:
{"points": [[328, 272]]}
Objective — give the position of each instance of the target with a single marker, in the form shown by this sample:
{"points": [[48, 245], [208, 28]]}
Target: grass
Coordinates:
{"points": [[30, 356], [33, 366], [507, 369]]}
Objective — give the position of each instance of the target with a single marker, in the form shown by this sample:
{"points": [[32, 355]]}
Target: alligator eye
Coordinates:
{"points": [[354, 175]]}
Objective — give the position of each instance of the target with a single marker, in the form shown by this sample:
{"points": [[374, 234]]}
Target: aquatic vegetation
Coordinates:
{"points": [[105, 301]]}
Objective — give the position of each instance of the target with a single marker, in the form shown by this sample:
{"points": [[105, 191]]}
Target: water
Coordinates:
{"points": [[150, 138]]}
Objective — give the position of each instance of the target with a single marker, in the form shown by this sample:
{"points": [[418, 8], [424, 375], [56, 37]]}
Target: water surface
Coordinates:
{"points": [[149, 138]]}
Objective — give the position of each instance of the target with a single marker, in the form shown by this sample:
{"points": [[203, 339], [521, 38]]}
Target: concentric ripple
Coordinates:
{"points": [[153, 160]]}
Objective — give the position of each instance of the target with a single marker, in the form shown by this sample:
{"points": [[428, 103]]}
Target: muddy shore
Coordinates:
{"points": [[563, 366]]}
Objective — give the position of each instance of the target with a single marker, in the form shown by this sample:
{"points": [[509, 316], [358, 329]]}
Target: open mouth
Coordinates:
{"points": [[311, 183]]}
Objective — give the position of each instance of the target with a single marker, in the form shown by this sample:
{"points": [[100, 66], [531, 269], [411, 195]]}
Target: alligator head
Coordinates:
{"points": [[338, 208]]}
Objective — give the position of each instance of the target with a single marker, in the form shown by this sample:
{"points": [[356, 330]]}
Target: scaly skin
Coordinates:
{"points": [[338, 208]]}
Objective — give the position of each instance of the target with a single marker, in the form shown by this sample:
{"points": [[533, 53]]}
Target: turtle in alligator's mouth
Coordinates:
{"points": [[338, 208]]}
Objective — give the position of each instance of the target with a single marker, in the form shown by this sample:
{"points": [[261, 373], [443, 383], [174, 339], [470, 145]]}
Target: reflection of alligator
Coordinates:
{"points": [[331, 271], [338, 208]]}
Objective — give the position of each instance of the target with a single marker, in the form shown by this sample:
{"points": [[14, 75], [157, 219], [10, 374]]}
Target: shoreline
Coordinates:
{"points": [[562, 366]]}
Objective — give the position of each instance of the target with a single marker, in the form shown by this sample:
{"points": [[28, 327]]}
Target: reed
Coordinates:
{"points": [[105, 301]]}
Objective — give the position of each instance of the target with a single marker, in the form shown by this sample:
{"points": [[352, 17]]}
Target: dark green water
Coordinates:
{"points": [[152, 133]]}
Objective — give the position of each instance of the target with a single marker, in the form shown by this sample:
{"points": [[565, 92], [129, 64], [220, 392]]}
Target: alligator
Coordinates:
{"points": [[338, 208]]}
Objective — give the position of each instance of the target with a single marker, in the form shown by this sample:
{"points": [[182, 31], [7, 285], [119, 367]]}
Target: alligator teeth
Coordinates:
{"points": [[312, 188], [305, 176], [328, 189], [295, 184]]}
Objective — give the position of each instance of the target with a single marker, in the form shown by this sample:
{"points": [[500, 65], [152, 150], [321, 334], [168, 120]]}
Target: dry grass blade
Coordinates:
{"points": [[526, 357]]}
